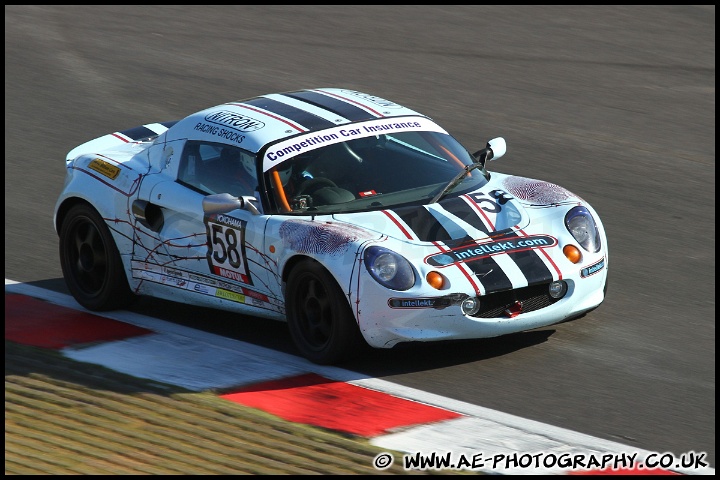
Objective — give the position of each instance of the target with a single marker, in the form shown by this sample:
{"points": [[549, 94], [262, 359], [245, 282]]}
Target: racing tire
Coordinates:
{"points": [[320, 320], [90, 261]]}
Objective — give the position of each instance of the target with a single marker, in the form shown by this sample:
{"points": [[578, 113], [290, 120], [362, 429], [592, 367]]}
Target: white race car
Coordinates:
{"points": [[353, 218]]}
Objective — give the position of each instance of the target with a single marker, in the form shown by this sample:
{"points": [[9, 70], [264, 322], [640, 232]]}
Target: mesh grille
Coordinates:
{"points": [[532, 298]]}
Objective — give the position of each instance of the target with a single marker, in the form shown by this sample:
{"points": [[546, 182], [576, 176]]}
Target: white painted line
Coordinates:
{"points": [[184, 361]]}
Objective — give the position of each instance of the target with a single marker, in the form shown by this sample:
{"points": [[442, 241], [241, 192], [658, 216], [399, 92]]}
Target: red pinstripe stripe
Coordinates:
{"points": [[464, 272], [399, 225], [122, 137], [542, 250], [474, 205], [99, 179]]}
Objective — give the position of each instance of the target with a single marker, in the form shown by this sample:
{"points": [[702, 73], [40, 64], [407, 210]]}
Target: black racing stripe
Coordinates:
{"points": [[460, 208], [423, 224], [297, 115], [139, 133], [486, 269], [169, 124], [335, 105], [532, 266], [530, 263], [428, 229], [459, 243], [490, 275]]}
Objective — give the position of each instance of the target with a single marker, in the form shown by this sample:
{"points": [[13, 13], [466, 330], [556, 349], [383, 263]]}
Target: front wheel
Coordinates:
{"points": [[319, 317], [90, 261]]}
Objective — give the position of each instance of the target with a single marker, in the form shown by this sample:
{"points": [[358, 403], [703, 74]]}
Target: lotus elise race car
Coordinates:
{"points": [[355, 219]]}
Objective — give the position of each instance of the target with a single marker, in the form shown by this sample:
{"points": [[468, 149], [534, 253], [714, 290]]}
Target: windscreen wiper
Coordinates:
{"points": [[456, 180]]}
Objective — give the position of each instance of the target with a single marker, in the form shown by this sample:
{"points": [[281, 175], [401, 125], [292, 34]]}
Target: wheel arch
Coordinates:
{"points": [[291, 263], [93, 268], [298, 259], [320, 316], [61, 214], [64, 208]]}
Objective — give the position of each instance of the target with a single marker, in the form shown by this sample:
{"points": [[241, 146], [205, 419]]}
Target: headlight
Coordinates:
{"points": [[581, 225], [389, 269]]}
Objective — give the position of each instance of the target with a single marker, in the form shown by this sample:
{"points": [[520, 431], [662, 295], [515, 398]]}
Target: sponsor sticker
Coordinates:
{"points": [[235, 297], [372, 99], [420, 302], [177, 278], [469, 253], [236, 121], [593, 269], [104, 168], [226, 252]]}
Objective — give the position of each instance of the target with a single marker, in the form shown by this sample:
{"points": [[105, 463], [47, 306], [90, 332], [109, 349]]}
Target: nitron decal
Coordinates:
{"points": [[236, 121]]}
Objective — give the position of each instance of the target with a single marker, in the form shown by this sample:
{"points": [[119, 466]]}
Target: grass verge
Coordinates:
{"points": [[64, 417]]}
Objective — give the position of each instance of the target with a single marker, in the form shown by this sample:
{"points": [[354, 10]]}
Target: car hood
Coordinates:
{"points": [[116, 141], [478, 215], [505, 233]]}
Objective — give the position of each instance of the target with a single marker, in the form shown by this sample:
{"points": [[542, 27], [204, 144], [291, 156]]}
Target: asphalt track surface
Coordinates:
{"points": [[616, 104]]}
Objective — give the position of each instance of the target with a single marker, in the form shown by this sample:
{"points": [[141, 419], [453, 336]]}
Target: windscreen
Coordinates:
{"points": [[367, 171]]}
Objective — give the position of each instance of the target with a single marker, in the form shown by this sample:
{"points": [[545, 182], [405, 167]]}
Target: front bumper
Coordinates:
{"points": [[406, 317]]}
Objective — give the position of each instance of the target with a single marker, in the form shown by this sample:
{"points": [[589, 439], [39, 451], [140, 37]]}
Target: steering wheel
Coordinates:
{"points": [[315, 184]]}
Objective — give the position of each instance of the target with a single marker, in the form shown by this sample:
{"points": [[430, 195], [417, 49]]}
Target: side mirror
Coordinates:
{"points": [[224, 202], [495, 149]]}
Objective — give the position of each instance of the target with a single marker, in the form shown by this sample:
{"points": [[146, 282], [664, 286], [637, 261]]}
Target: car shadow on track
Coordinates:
{"points": [[404, 358], [415, 357]]}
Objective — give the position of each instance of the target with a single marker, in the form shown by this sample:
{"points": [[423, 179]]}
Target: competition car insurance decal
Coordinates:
{"points": [[226, 253], [311, 141]]}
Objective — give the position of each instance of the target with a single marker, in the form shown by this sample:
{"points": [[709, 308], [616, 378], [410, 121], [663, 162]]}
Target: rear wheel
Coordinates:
{"points": [[90, 261], [319, 317]]}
